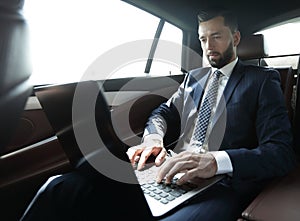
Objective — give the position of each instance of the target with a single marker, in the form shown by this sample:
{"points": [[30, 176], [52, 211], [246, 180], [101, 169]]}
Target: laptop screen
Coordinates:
{"points": [[74, 107]]}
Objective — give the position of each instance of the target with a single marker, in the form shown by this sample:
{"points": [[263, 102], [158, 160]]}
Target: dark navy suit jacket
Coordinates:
{"points": [[251, 122]]}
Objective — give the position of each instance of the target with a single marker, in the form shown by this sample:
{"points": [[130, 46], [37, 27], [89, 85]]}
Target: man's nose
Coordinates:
{"points": [[209, 44]]}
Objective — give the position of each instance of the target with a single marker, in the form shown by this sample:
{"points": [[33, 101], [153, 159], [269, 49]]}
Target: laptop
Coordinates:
{"points": [[57, 100]]}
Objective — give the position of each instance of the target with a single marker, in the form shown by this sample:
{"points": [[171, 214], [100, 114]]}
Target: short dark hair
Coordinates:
{"points": [[230, 18]]}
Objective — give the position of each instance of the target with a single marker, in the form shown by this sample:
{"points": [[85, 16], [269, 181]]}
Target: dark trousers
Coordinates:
{"points": [[76, 198], [85, 194], [220, 202]]}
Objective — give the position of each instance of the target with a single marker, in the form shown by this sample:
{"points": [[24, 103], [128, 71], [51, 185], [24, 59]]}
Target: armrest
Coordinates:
{"points": [[279, 201]]}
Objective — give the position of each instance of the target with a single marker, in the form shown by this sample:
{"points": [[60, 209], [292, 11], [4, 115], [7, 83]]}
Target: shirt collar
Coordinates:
{"points": [[227, 69]]}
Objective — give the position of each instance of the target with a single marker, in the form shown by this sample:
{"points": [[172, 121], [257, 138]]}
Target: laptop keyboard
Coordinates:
{"points": [[166, 193], [162, 192]]}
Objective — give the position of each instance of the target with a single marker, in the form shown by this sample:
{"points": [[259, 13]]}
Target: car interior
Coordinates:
{"points": [[30, 151]]}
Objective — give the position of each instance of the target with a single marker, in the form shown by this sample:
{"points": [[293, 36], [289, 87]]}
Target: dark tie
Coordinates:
{"points": [[204, 114]]}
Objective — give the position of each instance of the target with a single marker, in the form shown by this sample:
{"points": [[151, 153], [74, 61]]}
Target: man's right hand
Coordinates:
{"points": [[141, 153]]}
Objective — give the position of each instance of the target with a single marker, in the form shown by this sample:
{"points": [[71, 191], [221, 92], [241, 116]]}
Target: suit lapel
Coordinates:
{"points": [[232, 83], [202, 80]]}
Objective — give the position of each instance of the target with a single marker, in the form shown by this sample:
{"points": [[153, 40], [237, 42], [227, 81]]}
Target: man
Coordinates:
{"points": [[248, 135]]}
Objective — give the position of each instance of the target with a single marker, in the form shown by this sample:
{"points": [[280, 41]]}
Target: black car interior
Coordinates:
{"points": [[279, 201], [15, 68]]}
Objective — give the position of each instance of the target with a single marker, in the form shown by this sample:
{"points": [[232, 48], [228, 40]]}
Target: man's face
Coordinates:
{"points": [[218, 42]]}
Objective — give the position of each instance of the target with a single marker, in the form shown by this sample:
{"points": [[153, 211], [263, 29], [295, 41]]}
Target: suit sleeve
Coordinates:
{"points": [[165, 120], [274, 154]]}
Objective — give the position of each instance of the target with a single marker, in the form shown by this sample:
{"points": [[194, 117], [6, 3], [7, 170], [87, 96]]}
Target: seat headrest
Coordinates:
{"points": [[252, 47]]}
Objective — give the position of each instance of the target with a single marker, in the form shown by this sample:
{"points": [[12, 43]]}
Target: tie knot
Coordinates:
{"points": [[218, 73]]}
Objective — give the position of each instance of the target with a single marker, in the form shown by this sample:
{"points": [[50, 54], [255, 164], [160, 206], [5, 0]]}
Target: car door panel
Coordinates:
{"points": [[130, 115]]}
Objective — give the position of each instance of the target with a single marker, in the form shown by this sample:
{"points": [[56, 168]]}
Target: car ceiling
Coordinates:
{"points": [[253, 15]]}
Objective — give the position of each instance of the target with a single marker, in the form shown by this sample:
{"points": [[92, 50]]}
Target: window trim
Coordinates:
{"points": [[154, 45]]}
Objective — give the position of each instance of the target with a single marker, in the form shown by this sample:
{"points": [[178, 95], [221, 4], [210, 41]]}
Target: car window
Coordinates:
{"points": [[282, 42], [67, 36], [174, 34]]}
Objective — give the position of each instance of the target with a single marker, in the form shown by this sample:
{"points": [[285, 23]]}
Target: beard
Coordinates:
{"points": [[224, 59]]}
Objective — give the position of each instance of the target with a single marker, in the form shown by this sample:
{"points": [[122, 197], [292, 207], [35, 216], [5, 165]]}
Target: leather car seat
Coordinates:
{"points": [[15, 67]]}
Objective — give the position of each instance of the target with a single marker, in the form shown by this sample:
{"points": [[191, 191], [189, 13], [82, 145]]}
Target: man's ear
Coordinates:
{"points": [[236, 38]]}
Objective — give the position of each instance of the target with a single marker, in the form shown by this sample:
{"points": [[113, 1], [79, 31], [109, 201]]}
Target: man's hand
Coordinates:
{"points": [[193, 165], [142, 152]]}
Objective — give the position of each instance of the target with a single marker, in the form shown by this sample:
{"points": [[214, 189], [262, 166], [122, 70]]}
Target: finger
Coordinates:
{"points": [[161, 157], [165, 168], [130, 151], [134, 152], [188, 175], [137, 158], [175, 165], [182, 165], [179, 167], [144, 157]]}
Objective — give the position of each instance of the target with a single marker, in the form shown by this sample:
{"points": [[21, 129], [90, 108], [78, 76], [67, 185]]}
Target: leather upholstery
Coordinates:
{"points": [[288, 81], [15, 67], [252, 47], [280, 201]]}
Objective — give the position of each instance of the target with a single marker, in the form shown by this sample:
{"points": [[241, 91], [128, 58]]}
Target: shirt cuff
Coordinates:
{"points": [[223, 162], [153, 138]]}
